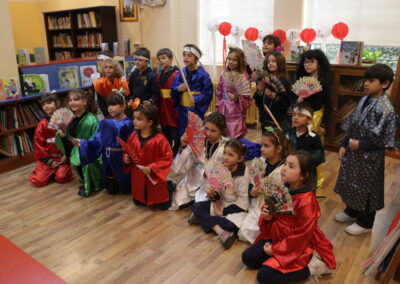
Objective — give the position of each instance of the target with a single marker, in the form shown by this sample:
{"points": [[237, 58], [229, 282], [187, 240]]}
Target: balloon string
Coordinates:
{"points": [[224, 53]]}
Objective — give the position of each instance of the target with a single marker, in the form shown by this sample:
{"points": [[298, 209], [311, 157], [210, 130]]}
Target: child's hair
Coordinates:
{"points": [[50, 97], [117, 67], [278, 139], [195, 48], [218, 119], [115, 99], [86, 95], [106, 53], [143, 52], [380, 71], [240, 59], [151, 113], [324, 67], [304, 106], [165, 51], [280, 62], [272, 38], [237, 146], [307, 166]]}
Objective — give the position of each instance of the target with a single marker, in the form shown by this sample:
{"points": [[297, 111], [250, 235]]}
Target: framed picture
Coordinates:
{"points": [[128, 11]]}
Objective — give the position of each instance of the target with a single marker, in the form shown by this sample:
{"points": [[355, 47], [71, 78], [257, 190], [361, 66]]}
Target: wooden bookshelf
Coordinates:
{"points": [[79, 32]]}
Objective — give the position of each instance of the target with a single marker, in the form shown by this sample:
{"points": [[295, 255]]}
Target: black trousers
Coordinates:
{"points": [[202, 212], [163, 205], [172, 134], [365, 219], [254, 256]]}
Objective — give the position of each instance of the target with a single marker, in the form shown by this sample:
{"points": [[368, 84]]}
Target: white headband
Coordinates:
{"points": [[192, 50], [303, 111], [103, 57], [141, 57]]}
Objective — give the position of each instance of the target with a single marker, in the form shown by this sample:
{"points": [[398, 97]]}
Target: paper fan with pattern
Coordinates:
{"points": [[237, 84], [218, 176], [273, 84], [127, 149], [61, 118], [276, 196], [196, 134], [256, 171], [306, 86]]}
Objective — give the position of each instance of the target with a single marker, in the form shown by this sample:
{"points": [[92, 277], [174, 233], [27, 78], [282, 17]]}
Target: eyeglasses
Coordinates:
{"points": [[309, 62]]}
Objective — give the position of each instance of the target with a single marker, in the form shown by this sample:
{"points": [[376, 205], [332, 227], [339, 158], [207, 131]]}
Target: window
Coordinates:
{"points": [[250, 13]]}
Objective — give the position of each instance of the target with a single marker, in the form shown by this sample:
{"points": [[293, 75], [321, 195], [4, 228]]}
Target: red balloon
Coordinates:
{"points": [[340, 30], [308, 35], [225, 28], [281, 34], [251, 34]]}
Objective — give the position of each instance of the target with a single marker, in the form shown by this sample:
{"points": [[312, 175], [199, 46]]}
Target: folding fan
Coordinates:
{"points": [[60, 119], [196, 135], [306, 87], [218, 176], [237, 84], [276, 196], [273, 84], [256, 171]]}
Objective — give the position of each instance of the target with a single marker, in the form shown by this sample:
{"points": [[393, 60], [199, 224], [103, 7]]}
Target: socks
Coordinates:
{"points": [[219, 230]]}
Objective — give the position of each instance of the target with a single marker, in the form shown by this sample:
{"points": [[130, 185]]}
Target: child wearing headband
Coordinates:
{"points": [[143, 80], [200, 85], [303, 138]]}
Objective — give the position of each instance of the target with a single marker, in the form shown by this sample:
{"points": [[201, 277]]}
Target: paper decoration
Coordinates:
{"points": [[196, 135], [251, 34], [293, 35], [256, 171], [340, 30], [61, 118], [276, 196], [308, 35], [306, 86], [86, 74], [218, 176], [9, 88], [68, 77], [253, 55], [236, 84], [281, 34], [35, 84]]}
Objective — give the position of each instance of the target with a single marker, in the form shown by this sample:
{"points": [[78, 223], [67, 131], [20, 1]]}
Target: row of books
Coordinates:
{"points": [[58, 23], [89, 54], [90, 20], [358, 85], [62, 40], [62, 55], [338, 139], [346, 110], [15, 144], [20, 115], [89, 40]]}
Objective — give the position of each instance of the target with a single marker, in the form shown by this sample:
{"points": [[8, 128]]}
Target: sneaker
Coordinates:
{"points": [[342, 217], [356, 230], [192, 219], [83, 192], [227, 239], [317, 267]]}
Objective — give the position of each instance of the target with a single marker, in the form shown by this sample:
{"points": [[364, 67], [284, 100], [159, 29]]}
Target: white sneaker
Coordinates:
{"points": [[317, 267], [342, 217], [355, 230]]}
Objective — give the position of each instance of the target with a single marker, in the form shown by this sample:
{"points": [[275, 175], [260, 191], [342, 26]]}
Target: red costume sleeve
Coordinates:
{"points": [[162, 166], [40, 143]]}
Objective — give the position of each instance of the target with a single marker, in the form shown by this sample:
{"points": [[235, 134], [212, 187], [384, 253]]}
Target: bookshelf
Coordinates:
{"points": [[79, 33]]}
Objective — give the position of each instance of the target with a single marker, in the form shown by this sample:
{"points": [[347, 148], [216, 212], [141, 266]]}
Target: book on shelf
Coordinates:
{"points": [[35, 84], [339, 138], [86, 74], [115, 48], [20, 115], [62, 55], [16, 144], [358, 85], [68, 77], [93, 18], [104, 46], [58, 23], [89, 40], [88, 54], [23, 57], [9, 88], [127, 46], [40, 55], [62, 40], [351, 52], [346, 110], [295, 52], [88, 20]]}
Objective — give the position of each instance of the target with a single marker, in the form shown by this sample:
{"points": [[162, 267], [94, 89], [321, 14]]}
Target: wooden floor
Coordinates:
{"points": [[107, 239]]}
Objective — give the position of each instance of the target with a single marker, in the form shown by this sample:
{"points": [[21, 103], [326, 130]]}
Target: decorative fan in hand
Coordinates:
{"points": [[127, 149], [276, 196], [256, 171], [306, 86], [218, 176], [253, 54], [61, 118], [196, 134], [237, 83], [273, 84]]}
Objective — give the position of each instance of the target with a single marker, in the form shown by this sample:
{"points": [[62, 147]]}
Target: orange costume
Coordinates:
{"points": [[103, 86]]}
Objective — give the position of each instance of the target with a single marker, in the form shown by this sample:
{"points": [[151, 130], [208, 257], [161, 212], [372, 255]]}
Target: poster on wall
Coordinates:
{"points": [[68, 77], [9, 88], [34, 84], [128, 11], [86, 74]]}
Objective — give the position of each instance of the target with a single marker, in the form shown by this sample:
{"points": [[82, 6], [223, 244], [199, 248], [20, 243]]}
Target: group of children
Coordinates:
{"points": [[284, 247]]}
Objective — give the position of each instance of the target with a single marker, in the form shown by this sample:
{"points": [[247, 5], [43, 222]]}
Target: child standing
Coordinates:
{"points": [[231, 101], [112, 79], [200, 86], [104, 145], [270, 43], [50, 161], [370, 129], [83, 126], [152, 161], [143, 80], [234, 199], [315, 64], [193, 185], [274, 149], [169, 116], [277, 102], [284, 249]]}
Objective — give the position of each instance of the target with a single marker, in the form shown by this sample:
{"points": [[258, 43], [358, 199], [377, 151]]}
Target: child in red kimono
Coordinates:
{"points": [[50, 161], [149, 160], [292, 247], [169, 116]]}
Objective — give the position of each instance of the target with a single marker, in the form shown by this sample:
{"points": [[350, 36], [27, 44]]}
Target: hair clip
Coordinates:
{"points": [[279, 48], [271, 129], [135, 103]]}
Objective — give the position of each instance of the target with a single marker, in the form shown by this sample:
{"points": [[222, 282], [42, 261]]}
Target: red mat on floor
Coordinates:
{"points": [[17, 267]]}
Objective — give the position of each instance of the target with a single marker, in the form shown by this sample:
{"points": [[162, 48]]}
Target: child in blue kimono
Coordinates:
{"points": [[105, 145]]}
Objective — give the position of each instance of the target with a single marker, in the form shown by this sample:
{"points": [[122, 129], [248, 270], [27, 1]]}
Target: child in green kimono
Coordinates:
{"points": [[83, 126]]}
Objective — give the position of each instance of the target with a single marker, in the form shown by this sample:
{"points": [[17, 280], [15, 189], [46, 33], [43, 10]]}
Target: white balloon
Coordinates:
{"points": [[323, 32], [237, 31], [263, 33], [212, 25], [293, 35]]}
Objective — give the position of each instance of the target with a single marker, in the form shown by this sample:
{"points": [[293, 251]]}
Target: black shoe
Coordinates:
{"points": [[192, 220], [83, 192], [227, 239]]}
